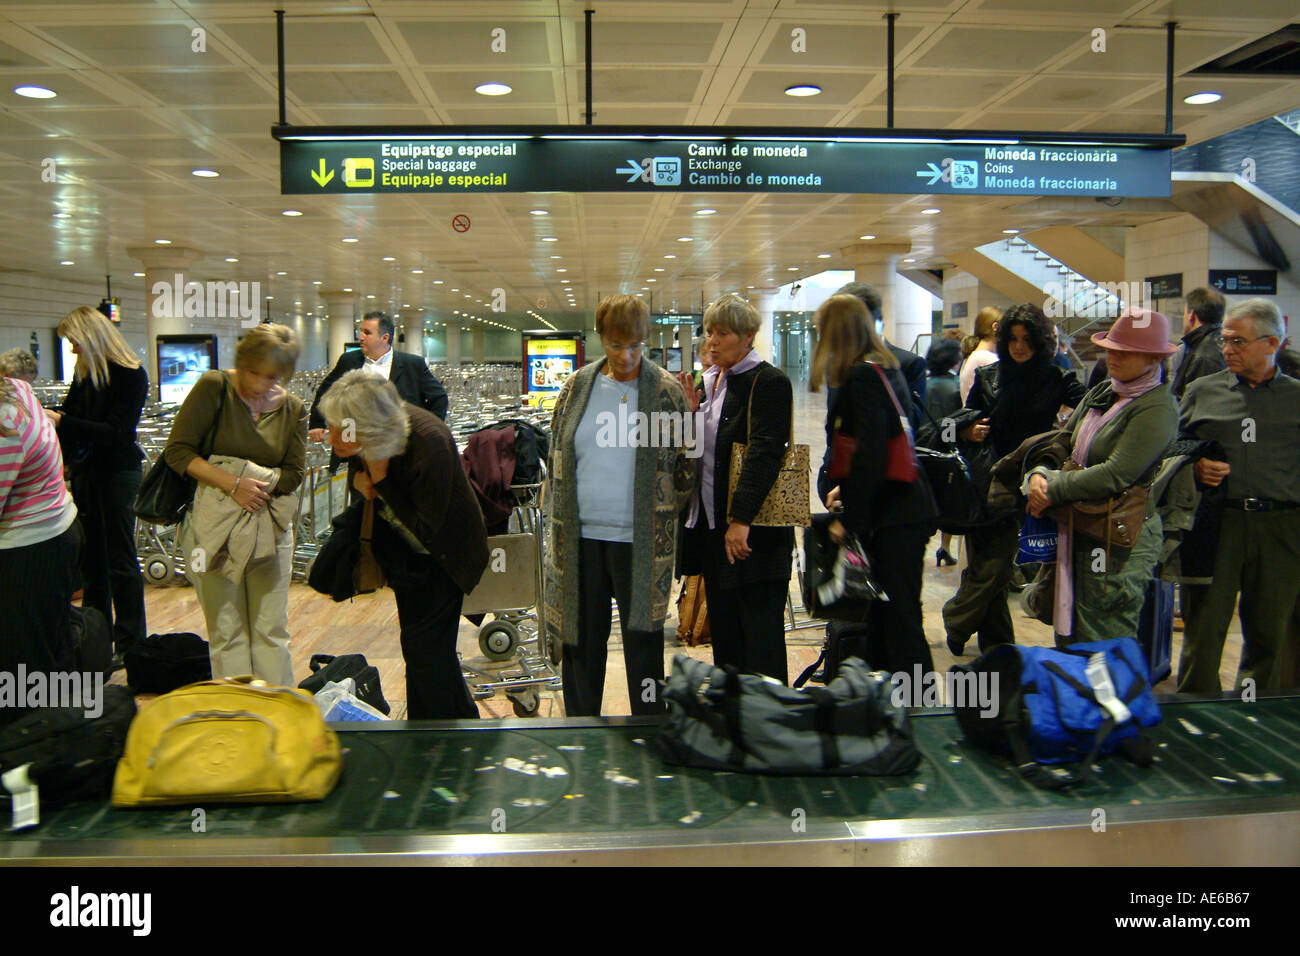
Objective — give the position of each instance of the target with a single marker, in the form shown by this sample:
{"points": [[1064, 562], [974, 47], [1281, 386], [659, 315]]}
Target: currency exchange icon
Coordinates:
{"points": [[965, 174], [668, 171]]}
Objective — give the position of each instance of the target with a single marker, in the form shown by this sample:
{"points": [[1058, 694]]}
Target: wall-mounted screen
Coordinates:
{"points": [[181, 360]]}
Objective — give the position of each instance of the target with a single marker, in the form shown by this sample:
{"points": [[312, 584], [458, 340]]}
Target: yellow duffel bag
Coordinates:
{"points": [[227, 741]]}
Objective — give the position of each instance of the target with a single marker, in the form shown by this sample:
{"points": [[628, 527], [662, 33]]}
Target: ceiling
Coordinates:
{"points": [[138, 109]]}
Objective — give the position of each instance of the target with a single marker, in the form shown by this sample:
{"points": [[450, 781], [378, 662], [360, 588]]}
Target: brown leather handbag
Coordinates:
{"points": [[1116, 520], [367, 576], [693, 612]]}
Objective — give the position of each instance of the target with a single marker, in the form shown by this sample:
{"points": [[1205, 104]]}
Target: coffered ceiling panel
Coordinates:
{"points": [[138, 108]]}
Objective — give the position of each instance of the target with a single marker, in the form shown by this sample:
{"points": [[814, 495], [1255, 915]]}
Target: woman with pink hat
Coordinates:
{"points": [[1118, 435]]}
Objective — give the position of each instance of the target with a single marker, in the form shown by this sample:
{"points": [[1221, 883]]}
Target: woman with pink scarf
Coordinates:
{"points": [[1119, 433]]}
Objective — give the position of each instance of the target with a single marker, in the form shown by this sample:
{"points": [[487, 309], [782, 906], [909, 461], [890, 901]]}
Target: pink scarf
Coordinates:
{"points": [[1092, 423]]}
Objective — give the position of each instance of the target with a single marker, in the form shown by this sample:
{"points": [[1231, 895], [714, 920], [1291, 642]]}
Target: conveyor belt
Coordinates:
{"points": [[1225, 789]]}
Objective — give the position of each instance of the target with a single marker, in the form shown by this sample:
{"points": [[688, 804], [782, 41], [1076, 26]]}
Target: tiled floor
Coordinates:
{"points": [[368, 624]]}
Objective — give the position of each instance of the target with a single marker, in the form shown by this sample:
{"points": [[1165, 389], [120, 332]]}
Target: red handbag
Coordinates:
{"points": [[900, 457]]}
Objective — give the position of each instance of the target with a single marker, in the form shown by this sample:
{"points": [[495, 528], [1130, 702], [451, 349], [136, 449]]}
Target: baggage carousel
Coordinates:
{"points": [[1225, 790]]}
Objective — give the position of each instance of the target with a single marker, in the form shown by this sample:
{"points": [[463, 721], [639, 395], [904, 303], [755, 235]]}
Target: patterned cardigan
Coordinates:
{"points": [[662, 482]]}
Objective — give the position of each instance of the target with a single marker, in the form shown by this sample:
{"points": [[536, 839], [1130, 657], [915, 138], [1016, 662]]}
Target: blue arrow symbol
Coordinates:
{"points": [[632, 170], [934, 172]]}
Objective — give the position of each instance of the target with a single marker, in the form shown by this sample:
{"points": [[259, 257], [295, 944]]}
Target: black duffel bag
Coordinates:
{"points": [[73, 757], [722, 720], [92, 641], [365, 676], [163, 662], [956, 486]]}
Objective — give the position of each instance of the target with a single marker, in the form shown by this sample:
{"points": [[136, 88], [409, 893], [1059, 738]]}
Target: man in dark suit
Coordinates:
{"points": [[909, 363], [409, 374]]}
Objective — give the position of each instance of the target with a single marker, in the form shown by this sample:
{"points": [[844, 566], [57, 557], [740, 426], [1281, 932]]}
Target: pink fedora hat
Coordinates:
{"points": [[1138, 330]]}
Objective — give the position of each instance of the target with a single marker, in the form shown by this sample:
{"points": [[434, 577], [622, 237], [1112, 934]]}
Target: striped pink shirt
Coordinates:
{"points": [[34, 503]]}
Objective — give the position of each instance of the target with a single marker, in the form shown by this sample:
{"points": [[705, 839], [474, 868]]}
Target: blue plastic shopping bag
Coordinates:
{"points": [[1037, 541]]}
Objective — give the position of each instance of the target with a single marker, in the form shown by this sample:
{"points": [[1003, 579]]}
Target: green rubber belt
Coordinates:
{"points": [[571, 777]]}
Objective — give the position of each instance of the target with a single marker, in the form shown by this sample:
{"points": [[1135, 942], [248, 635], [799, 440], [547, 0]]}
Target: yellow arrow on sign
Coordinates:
{"points": [[322, 178]]}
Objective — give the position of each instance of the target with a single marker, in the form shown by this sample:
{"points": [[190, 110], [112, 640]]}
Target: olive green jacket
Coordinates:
{"points": [[1126, 451]]}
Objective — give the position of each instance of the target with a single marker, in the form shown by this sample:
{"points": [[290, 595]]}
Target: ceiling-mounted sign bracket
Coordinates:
{"points": [[473, 159]]}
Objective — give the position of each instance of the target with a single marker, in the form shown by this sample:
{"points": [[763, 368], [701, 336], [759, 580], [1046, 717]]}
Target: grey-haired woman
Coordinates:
{"points": [[405, 459]]}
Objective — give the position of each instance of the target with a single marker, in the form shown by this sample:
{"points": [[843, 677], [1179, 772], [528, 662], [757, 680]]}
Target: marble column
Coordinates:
{"points": [[341, 313], [165, 279]]}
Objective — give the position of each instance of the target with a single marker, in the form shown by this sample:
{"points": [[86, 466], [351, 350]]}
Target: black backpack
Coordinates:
{"points": [[92, 641], [163, 662], [327, 667], [73, 757]]}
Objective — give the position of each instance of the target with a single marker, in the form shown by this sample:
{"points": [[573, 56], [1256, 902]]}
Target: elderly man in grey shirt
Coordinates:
{"points": [[1253, 411]]}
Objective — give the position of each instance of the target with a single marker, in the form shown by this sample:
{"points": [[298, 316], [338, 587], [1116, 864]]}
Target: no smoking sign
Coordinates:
{"points": [[460, 223]]}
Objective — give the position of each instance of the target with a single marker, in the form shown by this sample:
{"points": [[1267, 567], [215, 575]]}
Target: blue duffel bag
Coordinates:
{"points": [[1061, 706]]}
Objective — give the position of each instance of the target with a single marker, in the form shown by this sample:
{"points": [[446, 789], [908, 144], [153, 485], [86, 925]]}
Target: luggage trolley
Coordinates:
{"points": [[516, 638]]}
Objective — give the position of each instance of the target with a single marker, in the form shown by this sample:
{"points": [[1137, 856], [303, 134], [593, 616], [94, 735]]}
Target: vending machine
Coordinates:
{"points": [[549, 359]]}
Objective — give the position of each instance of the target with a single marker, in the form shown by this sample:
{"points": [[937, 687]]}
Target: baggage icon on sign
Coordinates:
{"points": [[359, 172]]}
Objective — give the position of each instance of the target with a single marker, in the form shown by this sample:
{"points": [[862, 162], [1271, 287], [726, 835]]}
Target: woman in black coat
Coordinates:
{"points": [[746, 569], [942, 398], [96, 426], [893, 520], [1018, 396]]}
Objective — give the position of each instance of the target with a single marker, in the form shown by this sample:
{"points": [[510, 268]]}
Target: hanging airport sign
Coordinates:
{"points": [[1169, 286], [1245, 281], [713, 160]]}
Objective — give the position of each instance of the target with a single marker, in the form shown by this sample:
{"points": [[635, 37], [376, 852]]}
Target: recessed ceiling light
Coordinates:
{"points": [[455, 290], [539, 212], [557, 257], [670, 257], [705, 212], [417, 272], [468, 296], [348, 239], [685, 239], [347, 290], [315, 281], [35, 92], [651, 280], [371, 297], [1010, 232], [205, 173], [823, 255], [909, 260], [1200, 99], [290, 212], [163, 242], [282, 273], [549, 239], [659, 268], [492, 89], [792, 269], [437, 282], [138, 275], [390, 258], [62, 215], [868, 238], [231, 259], [66, 262], [565, 281], [802, 89], [932, 211], [561, 270]]}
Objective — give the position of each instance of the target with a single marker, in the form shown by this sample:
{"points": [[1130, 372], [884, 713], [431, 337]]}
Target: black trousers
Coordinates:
{"points": [[747, 623], [605, 572], [39, 580], [428, 613], [895, 635], [110, 570]]}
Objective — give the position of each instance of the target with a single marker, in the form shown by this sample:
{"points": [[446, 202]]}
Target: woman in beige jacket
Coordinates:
{"points": [[258, 429]]}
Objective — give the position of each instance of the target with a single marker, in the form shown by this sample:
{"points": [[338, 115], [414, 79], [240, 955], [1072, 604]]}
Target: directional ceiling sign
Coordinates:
{"points": [[707, 159]]}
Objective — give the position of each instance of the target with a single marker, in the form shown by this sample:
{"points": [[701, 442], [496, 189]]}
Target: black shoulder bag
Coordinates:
{"points": [[164, 495]]}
